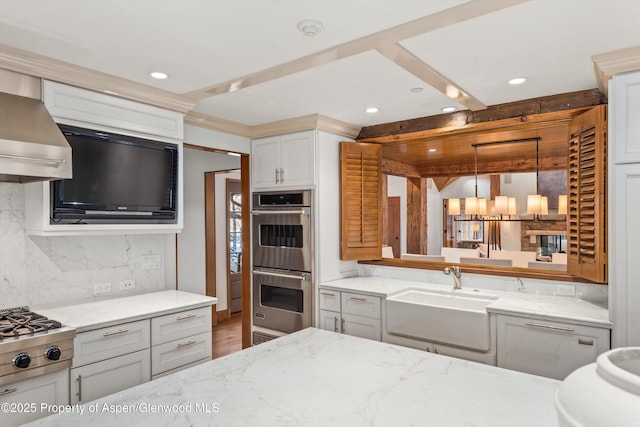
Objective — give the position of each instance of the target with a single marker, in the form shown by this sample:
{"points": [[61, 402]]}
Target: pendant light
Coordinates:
{"points": [[475, 205]]}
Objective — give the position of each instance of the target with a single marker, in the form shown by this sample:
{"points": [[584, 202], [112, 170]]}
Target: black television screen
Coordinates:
{"points": [[116, 178]]}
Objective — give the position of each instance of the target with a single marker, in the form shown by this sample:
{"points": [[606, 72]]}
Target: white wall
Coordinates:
{"points": [[327, 210], [44, 271], [191, 242], [221, 237]]}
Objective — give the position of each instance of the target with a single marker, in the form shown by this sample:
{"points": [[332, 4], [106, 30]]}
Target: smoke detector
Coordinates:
{"points": [[310, 27]]}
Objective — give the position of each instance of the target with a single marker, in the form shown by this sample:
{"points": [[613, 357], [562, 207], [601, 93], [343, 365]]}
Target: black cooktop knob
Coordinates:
{"points": [[21, 360], [53, 353]]}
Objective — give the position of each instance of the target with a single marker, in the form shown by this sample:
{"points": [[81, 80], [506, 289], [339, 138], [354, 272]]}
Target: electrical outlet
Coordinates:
{"points": [[127, 284], [566, 290], [102, 288]]}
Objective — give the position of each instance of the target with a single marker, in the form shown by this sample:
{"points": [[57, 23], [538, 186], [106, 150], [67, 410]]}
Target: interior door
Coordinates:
{"points": [[393, 226]]}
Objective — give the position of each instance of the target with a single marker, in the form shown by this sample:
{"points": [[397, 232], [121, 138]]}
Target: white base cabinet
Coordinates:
{"points": [[350, 313], [27, 400], [550, 349], [117, 357], [488, 358], [100, 379]]}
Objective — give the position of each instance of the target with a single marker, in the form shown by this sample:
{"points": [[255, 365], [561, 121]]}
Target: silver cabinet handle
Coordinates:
{"points": [[8, 391], [277, 176], [281, 175], [120, 332], [335, 323], [585, 341], [189, 316], [327, 294], [187, 344], [79, 393], [358, 299], [553, 328], [54, 162]]}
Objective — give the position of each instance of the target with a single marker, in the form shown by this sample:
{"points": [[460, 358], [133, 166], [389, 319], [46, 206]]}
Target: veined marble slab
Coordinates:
{"points": [[99, 314], [320, 378]]}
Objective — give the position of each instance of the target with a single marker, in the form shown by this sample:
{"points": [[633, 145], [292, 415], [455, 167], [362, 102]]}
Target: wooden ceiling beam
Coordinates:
{"points": [[526, 164], [523, 112]]}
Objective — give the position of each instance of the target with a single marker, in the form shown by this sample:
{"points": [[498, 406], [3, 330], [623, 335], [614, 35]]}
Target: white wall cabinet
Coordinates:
{"points": [[623, 205], [29, 395], [624, 110], [550, 349], [283, 161], [350, 313]]}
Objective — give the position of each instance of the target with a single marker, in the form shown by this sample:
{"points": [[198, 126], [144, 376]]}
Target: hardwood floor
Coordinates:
{"points": [[227, 336]]}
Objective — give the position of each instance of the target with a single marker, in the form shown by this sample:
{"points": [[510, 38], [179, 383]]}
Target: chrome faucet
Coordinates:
{"points": [[457, 273]]}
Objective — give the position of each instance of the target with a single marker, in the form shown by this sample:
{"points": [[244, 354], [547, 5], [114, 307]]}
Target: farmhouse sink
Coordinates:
{"points": [[444, 317]]}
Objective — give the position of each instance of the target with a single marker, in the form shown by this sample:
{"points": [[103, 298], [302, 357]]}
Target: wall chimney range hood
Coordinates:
{"points": [[32, 147]]}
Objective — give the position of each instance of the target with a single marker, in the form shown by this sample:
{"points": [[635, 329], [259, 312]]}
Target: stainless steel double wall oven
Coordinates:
{"points": [[282, 260]]}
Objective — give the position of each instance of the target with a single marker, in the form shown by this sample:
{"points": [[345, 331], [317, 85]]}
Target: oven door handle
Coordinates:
{"points": [[302, 276], [303, 211]]}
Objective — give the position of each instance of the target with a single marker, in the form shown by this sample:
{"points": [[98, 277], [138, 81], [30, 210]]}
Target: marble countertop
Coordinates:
{"points": [[544, 307], [320, 378], [99, 314]]}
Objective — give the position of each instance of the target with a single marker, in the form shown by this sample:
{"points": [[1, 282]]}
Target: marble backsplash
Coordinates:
{"points": [[48, 271]]}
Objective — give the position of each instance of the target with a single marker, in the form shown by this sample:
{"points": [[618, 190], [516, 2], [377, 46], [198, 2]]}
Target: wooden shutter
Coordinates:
{"points": [[360, 201], [587, 196]]}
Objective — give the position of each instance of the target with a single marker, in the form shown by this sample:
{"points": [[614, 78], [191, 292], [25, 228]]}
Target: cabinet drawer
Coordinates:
{"points": [[361, 305], [99, 379], [113, 341], [550, 349], [329, 300], [175, 354], [179, 325]]}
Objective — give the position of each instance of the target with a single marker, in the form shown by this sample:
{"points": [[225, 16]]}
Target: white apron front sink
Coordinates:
{"points": [[449, 318]]}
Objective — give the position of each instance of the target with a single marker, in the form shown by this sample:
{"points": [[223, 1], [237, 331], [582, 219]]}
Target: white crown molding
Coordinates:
{"points": [[51, 69], [310, 122], [213, 123], [606, 65]]}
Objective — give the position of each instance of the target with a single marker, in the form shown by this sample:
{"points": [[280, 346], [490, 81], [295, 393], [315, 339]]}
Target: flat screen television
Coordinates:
{"points": [[116, 179]]}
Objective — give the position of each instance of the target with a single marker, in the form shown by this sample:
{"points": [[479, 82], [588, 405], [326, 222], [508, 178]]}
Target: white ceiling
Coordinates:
{"points": [[204, 43]]}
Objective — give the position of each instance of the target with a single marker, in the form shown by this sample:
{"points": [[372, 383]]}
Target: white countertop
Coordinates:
{"points": [[545, 307], [320, 378], [94, 315]]}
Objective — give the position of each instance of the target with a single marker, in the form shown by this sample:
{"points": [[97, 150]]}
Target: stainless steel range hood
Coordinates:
{"points": [[32, 148]]}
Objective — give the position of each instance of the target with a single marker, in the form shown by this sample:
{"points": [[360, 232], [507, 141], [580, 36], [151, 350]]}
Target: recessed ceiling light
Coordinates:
{"points": [[159, 75], [517, 80], [417, 89], [372, 110], [432, 150], [449, 109]]}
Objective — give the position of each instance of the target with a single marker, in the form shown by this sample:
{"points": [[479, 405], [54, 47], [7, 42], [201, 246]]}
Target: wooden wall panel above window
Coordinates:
{"points": [[360, 201], [587, 198]]}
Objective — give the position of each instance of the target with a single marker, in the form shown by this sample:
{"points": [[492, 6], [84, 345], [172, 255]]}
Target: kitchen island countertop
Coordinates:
{"points": [[319, 378]]}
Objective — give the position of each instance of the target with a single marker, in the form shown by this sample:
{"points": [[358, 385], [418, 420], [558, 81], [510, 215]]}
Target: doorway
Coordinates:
{"points": [[393, 224], [234, 246]]}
